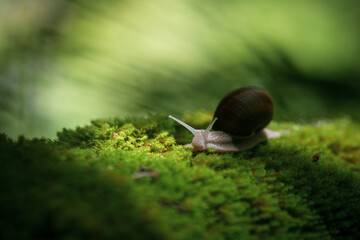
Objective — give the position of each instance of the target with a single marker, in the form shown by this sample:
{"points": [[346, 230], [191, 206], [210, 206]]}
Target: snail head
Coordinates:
{"points": [[200, 136]]}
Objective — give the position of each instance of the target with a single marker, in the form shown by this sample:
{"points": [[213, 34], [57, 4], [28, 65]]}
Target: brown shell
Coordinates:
{"points": [[244, 111]]}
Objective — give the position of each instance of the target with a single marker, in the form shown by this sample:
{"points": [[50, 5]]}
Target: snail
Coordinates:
{"points": [[239, 122]]}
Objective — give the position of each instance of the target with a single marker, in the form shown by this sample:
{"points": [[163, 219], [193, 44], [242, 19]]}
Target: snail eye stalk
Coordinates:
{"points": [[191, 129], [206, 133]]}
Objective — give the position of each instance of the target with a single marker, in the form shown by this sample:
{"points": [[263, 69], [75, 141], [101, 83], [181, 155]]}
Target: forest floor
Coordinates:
{"points": [[132, 178]]}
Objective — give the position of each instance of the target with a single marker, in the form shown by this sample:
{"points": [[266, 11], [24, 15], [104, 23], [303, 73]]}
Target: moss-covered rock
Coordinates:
{"points": [[132, 179]]}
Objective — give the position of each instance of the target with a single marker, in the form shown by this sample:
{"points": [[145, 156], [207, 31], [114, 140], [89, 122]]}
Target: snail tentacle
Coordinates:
{"points": [[206, 133], [191, 129]]}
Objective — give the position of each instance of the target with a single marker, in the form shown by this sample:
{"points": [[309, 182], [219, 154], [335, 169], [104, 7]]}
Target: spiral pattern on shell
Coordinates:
{"points": [[244, 111]]}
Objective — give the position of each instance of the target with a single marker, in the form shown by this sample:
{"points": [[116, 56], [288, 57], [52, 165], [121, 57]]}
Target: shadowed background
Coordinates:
{"points": [[63, 63]]}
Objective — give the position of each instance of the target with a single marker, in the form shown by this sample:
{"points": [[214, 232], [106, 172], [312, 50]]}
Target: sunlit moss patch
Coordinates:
{"points": [[132, 179]]}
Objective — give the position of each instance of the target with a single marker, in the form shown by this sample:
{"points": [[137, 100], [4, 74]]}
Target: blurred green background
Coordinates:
{"points": [[63, 63]]}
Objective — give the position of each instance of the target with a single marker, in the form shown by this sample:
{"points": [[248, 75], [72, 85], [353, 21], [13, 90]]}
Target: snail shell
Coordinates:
{"points": [[244, 112]]}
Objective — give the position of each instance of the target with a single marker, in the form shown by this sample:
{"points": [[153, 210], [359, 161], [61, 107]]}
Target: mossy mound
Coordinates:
{"points": [[132, 179]]}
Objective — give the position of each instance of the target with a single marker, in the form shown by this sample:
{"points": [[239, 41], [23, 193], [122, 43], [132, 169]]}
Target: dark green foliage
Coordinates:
{"points": [[129, 179], [45, 198]]}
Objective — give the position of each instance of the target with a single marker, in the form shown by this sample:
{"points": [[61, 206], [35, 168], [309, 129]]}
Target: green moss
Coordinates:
{"points": [[131, 179]]}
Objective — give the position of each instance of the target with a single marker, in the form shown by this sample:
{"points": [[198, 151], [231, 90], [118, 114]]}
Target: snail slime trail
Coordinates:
{"points": [[239, 122]]}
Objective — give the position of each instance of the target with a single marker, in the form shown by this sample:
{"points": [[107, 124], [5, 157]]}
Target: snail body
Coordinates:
{"points": [[239, 122]]}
